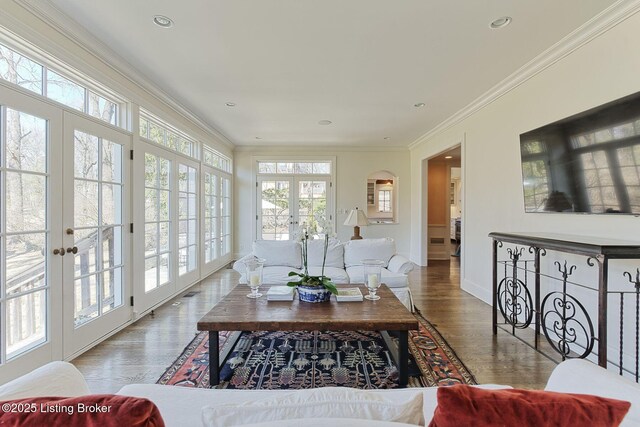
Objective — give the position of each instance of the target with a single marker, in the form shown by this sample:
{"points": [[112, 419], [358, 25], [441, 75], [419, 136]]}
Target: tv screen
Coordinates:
{"points": [[587, 163]]}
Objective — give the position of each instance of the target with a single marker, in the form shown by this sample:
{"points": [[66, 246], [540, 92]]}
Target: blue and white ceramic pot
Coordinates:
{"points": [[313, 294]]}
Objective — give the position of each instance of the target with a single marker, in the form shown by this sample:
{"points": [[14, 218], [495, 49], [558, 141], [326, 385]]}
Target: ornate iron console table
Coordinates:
{"points": [[559, 314]]}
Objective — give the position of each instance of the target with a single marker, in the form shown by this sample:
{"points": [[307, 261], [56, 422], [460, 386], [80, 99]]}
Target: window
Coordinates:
{"points": [[384, 201], [157, 209], [155, 130], [187, 219], [213, 158], [35, 77], [296, 168], [292, 194]]}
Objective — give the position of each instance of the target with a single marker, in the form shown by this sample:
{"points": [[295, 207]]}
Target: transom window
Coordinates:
{"points": [[215, 159], [162, 133], [297, 168], [41, 79]]}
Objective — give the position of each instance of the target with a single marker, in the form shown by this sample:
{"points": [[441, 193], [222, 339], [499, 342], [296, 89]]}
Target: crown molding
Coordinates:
{"points": [[63, 24], [321, 149], [596, 26]]}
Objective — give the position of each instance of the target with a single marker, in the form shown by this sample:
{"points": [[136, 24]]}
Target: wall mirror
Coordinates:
{"points": [[382, 198]]}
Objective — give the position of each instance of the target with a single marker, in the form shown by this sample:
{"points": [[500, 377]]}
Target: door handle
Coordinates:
{"points": [[60, 251], [73, 250]]}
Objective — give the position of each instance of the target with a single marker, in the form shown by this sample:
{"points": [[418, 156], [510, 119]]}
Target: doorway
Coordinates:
{"points": [[444, 209]]}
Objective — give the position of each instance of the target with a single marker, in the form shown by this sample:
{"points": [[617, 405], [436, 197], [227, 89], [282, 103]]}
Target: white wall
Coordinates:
{"points": [[603, 70], [353, 166]]}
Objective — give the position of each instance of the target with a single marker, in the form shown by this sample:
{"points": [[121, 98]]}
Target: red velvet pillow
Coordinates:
{"points": [[462, 405], [94, 410]]}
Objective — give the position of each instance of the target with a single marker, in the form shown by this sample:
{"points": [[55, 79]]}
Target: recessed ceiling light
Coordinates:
{"points": [[500, 22], [257, 137], [162, 21], [419, 105], [325, 122], [448, 157], [230, 104], [387, 138]]}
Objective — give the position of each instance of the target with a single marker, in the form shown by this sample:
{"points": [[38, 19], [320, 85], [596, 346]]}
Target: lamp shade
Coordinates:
{"points": [[356, 218]]}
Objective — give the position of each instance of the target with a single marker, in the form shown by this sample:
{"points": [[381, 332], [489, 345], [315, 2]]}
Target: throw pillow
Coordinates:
{"points": [[93, 410], [278, 252], [463, 405], [338, 402]]}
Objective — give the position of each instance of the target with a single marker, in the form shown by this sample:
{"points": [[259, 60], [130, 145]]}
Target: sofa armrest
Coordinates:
{"points": [[60, 379], [581, 376], [399, 264]]}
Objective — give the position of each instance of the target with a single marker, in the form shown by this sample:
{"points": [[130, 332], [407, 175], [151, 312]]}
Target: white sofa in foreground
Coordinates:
{"points": [[344, 262], [181, 406]]}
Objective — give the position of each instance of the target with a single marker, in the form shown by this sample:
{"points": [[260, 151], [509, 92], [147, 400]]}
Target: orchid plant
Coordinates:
{"points": [[303, 235]]}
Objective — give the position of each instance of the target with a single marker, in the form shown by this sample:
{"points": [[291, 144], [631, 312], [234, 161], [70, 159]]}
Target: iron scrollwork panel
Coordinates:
{"points": [[514, 299], [566, 323]]}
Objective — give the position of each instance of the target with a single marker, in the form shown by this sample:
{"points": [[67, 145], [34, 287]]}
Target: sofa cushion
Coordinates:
{"points": [[335, 253], [340, 402], [392, 280], [337, 275], [53, 379], [582, 376], [181, 406], [355, 251], [462, 405], [324, 422], [278, 252], [93, 410], [277, 275]]}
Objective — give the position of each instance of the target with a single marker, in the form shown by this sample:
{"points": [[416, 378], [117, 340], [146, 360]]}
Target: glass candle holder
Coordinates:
{"points": [[372, 277], [253, 269]]}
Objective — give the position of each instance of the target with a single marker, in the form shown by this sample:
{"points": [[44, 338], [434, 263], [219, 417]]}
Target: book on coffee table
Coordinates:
{"points": [[349, 295], [280, 293]]}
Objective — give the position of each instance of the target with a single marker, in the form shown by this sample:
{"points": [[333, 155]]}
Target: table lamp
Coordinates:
{"points": [[356, 218]]}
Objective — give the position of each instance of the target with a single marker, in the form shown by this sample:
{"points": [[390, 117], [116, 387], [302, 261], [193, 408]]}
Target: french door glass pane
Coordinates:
{"points": [[275, 210], [23, 230], [26, 322], [187, 218], [312, 203], [157, 224], [225, 216], [98, 203]]}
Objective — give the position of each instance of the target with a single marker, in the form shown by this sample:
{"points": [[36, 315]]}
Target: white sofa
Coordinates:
{"points": [[343, 264], [181, 406]]}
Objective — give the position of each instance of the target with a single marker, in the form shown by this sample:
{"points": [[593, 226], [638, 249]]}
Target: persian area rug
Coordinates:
{"points": [[298, 360]]}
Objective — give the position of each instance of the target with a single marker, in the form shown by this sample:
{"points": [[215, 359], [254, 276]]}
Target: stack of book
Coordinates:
{"points": [[349, 294], [280, 293]]}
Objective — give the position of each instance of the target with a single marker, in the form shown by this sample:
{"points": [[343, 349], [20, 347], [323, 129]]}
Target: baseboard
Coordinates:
{"points": [[476, 290]]}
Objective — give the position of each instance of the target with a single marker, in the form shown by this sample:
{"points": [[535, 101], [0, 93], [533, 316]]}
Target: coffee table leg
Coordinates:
{"points": [[214, 359], [403, 356]]}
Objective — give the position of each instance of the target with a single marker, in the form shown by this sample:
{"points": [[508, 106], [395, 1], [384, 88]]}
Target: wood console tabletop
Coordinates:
{"points": [[236, 312]]}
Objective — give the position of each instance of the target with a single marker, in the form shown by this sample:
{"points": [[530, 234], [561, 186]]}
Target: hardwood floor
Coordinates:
{"points": [[141, 352]]}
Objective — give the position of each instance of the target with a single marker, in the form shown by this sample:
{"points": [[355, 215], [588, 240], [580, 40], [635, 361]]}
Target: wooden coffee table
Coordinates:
{"points": [[236, 312]]}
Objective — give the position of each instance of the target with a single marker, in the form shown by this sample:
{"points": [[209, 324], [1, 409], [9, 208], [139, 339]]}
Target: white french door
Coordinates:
{"points": [[286, 203], [63, 244], [166, 188], [30, 227], [96, 239]]}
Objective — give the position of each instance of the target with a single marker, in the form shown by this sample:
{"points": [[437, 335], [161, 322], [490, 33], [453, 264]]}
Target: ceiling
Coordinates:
{"points": [[361, 64]]}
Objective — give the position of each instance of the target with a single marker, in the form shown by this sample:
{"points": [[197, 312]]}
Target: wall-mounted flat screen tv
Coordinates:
{"points": [[587, 163]]}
